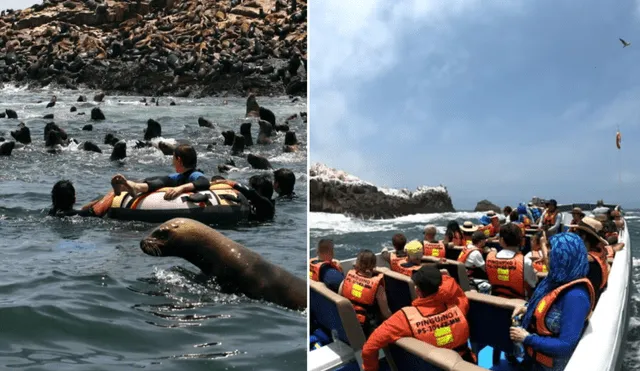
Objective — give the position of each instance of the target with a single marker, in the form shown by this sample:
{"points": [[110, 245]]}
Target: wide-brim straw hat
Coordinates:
{"points": [[591, 226], [468, 227]]}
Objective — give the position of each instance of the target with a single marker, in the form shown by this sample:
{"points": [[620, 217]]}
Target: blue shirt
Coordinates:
{"points": [[566, 321], [331, 277]]}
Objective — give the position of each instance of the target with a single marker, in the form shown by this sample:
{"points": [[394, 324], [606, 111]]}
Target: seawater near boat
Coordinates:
{"points": [[600, 348], [219, 205]]}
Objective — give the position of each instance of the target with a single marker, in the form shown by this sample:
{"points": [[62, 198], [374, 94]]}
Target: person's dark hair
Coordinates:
{"points": [[187, 154], [366, 261], [507, 210], [398, 240], [428, 279], [217, 177], [478, 236], [63, 196], [514, 216], [511, 234], [452, 227], [262, 184], [286, 181]]}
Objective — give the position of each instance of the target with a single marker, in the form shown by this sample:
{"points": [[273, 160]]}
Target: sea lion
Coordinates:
{"points": [[51, 126], [258, 162], [290, 142], [48, 116], [266, 130], [229, 137], [238, 145], [88, 127], [96, 114], [82, 98], [227, 260], [73, 109], [153, 130], [91, 147], [22, 134], [202, 122], [11, 114], [6, 148], [245, 131], [166, 148], [119, 151], [52, 102], [98, 97], [253, 109], [110, 139]]}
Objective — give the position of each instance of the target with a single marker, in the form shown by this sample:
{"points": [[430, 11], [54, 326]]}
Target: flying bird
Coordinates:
{"points": [[618, 139], [624, 43]]}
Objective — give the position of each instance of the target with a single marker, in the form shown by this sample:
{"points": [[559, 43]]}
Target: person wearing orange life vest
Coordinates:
{"points": [[588, 229], [432, 247], [554, 319], [494, 228], [324, 268], [514, 218], [510, 273], [551, 219], [413, 261], [396, 257], [467, 231], [436, 317], [471, 256], [365, 291], [577, 215], [539, 252]]}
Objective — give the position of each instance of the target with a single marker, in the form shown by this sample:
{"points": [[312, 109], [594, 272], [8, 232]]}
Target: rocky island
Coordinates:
{"points": [[334, 191], [158, 47]]}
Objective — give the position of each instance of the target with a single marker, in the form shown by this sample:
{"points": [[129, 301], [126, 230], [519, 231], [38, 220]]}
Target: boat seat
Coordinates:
{"points": [[413, 354], [453, 252], [334, 312], [400, 289], [455, 269], [489, 320]]}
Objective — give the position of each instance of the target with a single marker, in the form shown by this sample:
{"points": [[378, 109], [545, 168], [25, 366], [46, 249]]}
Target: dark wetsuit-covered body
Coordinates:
{"points": [[194, 176], [72, 212], [262, 208]]}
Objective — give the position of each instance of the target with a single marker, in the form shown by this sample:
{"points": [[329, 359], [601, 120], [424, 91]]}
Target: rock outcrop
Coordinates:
{"points": [[333, 191], [158, 47], [486, 205]]}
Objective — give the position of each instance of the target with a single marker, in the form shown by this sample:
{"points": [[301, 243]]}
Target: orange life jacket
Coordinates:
{"points": [[445, 329], [506, 276], [523, 230], [315, 265], [395, 261], [526, 222], [486, 229], [434, 249], [549, 219], [610, 253], [407, 271], [464, 255], [538, 265], [538, 325], [467, 240], [361, 292], [599, 257], [493, 230]]}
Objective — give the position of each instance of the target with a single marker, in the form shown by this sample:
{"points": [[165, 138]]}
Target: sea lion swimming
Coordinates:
{"points": [[227, 260], [6, 148]]}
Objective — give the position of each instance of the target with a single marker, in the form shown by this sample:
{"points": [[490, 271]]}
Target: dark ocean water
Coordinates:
{"points": [[79, 294], [350, 235]]}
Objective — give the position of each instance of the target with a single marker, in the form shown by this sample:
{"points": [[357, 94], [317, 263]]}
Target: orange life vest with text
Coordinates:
{"points": [[549, 219], [538, 325], [506, 276], [361, 292], [407, 271], [395, 260], [435, 249], [316, 264]]}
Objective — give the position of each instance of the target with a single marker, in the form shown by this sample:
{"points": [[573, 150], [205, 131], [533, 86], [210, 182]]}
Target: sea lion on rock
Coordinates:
{"points": [[238, 145], [88, 127], [91, 147], [96, 114], [22, 134], [245, 131], [119, 151], [290, 142], [258, 162], [202, 122], [110, 139], [11, 114], [230, 262], [229, 136], [6, 148], [48, 116], [153, 130]]}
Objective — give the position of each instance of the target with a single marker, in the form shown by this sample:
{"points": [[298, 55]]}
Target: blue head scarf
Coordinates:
{"points": [[485, 220], [567, 262], [522, 209]]}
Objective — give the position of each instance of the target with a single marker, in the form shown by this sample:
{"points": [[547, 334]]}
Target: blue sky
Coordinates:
{"points": [[18, 4], [493, 99]]}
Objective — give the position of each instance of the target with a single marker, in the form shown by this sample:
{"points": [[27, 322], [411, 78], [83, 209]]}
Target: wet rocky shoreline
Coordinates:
{"points": [[185, 48]]}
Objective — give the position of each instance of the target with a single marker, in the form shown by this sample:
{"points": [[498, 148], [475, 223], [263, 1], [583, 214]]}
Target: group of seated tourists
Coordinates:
{"points": [[560, 278]]}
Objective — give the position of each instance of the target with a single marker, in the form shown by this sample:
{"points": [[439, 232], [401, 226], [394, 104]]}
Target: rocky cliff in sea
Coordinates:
{"points": [[334, 191], [158, 47]]}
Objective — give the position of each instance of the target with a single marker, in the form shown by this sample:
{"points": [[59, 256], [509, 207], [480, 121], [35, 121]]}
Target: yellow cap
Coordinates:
{"points": [[413, 247]]}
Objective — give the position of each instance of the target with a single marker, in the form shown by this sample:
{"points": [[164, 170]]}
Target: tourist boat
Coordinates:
{"points": [[600, 348]]}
